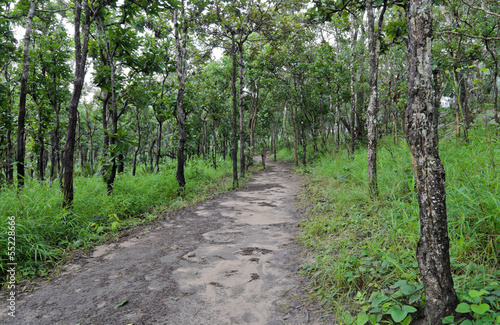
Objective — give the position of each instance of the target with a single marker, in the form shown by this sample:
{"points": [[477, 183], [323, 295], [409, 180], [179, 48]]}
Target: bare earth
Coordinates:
{"points": [[230, 260]]}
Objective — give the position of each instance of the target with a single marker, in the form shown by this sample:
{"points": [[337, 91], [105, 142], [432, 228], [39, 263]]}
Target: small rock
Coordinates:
{"points": [[175, 247], [192, 254]]}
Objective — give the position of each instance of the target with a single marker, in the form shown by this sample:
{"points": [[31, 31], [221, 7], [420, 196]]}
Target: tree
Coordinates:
{"points": [[82, 33], [433, 247], [21, 138]]}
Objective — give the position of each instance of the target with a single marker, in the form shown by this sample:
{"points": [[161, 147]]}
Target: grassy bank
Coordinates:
{"points": [[45, 232], [362, 261]]}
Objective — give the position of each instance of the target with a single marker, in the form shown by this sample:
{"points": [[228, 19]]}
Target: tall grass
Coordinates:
{"points": [[45, 231], [361, 246]]}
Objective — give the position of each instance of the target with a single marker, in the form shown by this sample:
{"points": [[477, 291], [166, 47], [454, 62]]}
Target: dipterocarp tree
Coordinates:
{"points": [[21, 137], [81, 39], [433, 247]]}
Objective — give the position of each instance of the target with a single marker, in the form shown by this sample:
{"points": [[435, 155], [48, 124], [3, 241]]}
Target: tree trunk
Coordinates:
{"points": [[181, 41], [158, 146], [81, 51], [234, 154], [139, 138], [240, 104], [21, 136], [9, 171], [295, 136], [371, 113], [41, 147], [304, 144], [495, 83], [151, 159], [461, 99], [105, 147], [214, 131], [354, 35], [433, 246]]}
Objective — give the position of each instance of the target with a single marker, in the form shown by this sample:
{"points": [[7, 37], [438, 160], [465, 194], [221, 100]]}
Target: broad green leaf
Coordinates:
{"points": [[408, 289], [480, 309], [463, 308], [409, 309], [448, 319], [362, 318], [415, 297], [475, 293], [397, 314]]}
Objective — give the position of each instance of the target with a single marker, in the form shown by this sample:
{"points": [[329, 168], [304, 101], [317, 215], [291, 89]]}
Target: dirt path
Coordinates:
{"points": [[230, 260]]}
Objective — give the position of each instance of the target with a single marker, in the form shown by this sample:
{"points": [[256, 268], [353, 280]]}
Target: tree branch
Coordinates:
{"points": [[481, 9], [468, 35]]}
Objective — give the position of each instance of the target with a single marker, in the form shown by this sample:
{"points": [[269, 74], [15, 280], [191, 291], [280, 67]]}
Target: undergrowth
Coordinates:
{"points": [[363, 252], [45, 232]]}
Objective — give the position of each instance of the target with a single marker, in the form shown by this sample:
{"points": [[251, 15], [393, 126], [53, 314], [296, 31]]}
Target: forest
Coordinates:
{"points": [[112, 111]]}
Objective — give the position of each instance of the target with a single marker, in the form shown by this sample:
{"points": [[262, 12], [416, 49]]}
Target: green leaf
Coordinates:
{"points": [[463, 308], [121, 304], [484, 69], [362, 318], [448, 319], [475, 293], [415, 297], [407, 320], [466, 322], [480, 309], [397, 314], [458, 69], [409, 309], [408, 289]]}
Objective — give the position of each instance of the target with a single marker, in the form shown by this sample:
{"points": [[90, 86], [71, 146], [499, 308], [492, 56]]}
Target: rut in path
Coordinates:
{"points": [[229, 260]]}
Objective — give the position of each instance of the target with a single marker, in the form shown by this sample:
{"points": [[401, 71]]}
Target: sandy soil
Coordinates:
{"points": [[230, 260]]}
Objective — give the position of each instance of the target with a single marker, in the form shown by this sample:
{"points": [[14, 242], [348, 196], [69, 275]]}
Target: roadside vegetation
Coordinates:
{"points": [[363, 250], [46, 233]]}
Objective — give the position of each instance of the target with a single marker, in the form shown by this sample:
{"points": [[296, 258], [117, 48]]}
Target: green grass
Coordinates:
{"points": [[361, 248], [45, 232]]}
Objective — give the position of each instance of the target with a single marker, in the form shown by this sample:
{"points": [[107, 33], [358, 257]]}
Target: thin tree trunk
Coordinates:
{"points": [[371, 114], [105, 102], [158, 146], [139, 138], [151, 159], [495, 83], [240, 104], [181, 41], [235, 113], [41, 164], [21, 136], [354, 35], [81, 51], [215, 146], [295, 136], [433, 246]]}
